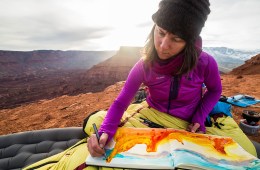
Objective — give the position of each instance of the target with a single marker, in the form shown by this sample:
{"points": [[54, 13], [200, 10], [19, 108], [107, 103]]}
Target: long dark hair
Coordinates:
{"points": [[190, 54]]}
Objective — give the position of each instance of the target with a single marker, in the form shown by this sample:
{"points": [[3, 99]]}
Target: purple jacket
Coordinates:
{"points": [[189, 104]]}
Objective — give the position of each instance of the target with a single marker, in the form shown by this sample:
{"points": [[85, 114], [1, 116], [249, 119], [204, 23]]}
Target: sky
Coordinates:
{"points": [[27, 25]]}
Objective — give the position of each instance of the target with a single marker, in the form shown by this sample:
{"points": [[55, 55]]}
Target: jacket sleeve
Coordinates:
{"points": [[214, 88], [116, 110]]}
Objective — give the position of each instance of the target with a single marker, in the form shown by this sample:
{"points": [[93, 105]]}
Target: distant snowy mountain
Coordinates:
{"points": [[228, 52], [228, 58]]}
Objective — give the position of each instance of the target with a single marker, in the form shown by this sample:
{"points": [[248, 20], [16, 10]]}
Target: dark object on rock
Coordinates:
{"points": [[239, 77], [251, 117], [223, 98]]}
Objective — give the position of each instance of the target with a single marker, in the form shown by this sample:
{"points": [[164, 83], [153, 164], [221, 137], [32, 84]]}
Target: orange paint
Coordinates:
{"points": [[126, 138]]}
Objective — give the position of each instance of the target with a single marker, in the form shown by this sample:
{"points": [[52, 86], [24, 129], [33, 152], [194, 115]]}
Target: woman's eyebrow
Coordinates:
{"points": [[165, 31], [162, 30]]}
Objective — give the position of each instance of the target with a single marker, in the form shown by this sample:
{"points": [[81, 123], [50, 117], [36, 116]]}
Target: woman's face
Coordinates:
{"points": [[166, 43]]}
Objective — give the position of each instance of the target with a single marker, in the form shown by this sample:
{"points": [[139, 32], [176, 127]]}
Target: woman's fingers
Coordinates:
{"points": [[94, 147], [194, 127], [103, 140]]}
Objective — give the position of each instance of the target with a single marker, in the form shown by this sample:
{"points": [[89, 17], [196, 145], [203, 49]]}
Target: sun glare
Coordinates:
{"points": [[127, 22]]}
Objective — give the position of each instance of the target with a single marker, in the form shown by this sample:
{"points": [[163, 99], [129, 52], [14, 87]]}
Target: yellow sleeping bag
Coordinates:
{"points": [[75, 156]]}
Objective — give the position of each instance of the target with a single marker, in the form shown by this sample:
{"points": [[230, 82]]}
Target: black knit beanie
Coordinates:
{"points": [[184, 18]]}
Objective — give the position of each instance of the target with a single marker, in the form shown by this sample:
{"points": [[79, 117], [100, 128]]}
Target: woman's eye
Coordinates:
{"points": [[161, 33], [176, 39]]}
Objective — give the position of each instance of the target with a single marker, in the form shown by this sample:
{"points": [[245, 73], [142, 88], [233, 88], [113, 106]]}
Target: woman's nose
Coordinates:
{"points": [[165, 43]]}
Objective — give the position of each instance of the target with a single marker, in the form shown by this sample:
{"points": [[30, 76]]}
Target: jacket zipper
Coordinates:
{"points": [[174, 90]]}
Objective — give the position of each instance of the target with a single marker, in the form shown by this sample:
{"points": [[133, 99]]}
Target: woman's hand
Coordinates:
{"points": [[194, 128], [95, 147]]}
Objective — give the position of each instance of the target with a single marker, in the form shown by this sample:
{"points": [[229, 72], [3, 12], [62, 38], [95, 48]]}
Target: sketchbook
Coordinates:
{"points": [[158, 148]]}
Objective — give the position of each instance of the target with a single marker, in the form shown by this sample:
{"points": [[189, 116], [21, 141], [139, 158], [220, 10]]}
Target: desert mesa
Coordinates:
{"points": [[46, 94]]}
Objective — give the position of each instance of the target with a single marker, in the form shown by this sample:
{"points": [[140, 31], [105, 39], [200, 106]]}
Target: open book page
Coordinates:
{"points": [[148, 148], [201, 151], [137, 148]]}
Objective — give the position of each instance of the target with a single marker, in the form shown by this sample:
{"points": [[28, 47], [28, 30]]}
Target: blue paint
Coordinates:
{"points": [[184, 156]]}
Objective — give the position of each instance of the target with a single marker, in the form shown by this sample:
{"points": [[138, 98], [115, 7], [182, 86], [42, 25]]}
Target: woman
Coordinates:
{"points": [[174, 67]]}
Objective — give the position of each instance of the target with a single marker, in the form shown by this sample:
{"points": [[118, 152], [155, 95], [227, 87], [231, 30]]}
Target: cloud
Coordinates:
{"points": [[44, 32], [234, 24], [66, 24], [103, 24]]}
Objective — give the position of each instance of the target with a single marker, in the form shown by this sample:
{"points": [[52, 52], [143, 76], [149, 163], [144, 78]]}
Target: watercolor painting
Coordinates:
{"points": [[157, 148]]}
